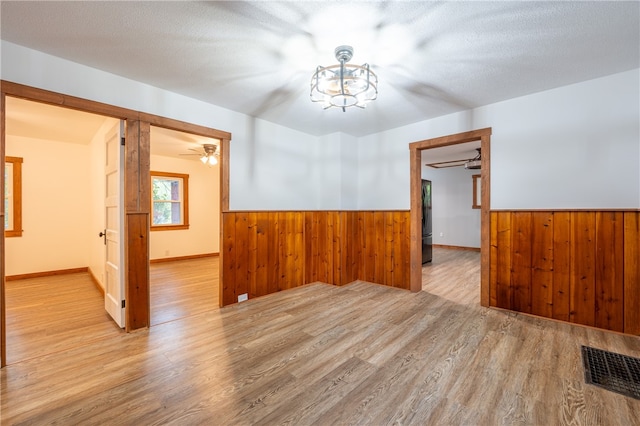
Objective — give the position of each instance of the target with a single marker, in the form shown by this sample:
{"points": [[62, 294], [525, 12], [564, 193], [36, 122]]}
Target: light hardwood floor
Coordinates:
{"points": [[57, 313], [182, 288], [52, 314], [320, 354]]}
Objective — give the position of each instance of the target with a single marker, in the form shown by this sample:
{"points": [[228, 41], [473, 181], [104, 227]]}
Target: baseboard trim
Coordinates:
{"points": [[45, 274], [457, 247], [96, 282], [192, 256]]}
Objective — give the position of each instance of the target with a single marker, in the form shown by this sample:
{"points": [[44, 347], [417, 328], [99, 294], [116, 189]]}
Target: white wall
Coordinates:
{"points": [[455, 223], [577, 146], [203, 235], [336, 172], [272, 167], [269, 166], [571, 147], [56, 211]]}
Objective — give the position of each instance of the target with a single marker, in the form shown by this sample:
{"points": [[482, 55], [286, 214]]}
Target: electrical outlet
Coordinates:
{"points": [[166, 252], [442, 234], [243, 297]]}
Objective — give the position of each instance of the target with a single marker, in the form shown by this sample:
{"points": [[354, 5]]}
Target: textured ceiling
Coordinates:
{"points": [[432, 58]]}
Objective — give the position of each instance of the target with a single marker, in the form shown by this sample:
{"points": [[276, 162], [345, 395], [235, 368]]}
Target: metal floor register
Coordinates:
{"points": [[611, 371]]}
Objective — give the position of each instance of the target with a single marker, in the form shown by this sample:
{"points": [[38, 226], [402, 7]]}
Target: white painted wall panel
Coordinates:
{"points": [[572, 147], [56, 207], [577, 146]]}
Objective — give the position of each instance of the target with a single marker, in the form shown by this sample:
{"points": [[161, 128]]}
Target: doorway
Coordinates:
{"points": [[137, 196], [415, 151], [184, 244], [53, 299]]}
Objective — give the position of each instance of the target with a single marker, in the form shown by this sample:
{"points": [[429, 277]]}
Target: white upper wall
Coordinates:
{"points": [[576, 146], [56, 207], [270, 164], [572, 147]]}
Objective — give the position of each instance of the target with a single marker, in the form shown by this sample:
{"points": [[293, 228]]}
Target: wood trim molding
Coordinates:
{"points": [[96, 282], [225, 146], [178, 258], [484, 136], [473, 135], [444, 246], [16, 230], [323, 211], [185, 201], [485, 217], [3, 331], [48, 97], [564, 210], [46, 274]]}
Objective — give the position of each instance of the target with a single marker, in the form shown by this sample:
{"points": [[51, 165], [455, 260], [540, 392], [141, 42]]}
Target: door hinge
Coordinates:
{"points": [[123, 304], [122, 141]]}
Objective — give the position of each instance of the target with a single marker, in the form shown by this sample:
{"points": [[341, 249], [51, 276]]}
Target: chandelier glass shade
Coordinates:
{"points": [[209, 155], [343, 85], [209, 160]]}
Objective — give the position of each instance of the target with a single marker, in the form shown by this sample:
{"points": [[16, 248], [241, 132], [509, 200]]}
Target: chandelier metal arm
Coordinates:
{"points": [[343, 85]]}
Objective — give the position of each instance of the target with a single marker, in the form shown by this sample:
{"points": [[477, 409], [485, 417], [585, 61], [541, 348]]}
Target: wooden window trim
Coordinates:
{"points": [[16, 214], [185, 201], [476, 199]]}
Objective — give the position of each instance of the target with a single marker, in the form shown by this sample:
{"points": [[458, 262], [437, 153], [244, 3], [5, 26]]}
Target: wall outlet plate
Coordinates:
{"points": [[243, 297]]}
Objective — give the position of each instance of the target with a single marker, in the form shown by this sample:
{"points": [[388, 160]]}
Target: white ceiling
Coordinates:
{"points": [[432, 58]]}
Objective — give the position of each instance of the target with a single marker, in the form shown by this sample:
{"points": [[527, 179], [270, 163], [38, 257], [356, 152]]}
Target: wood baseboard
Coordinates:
{"points": [[193, 256], [96, 282], [456, 247], [45, 274]]}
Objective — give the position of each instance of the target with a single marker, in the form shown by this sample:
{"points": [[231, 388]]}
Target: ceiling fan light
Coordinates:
{"points": [[204, 159], [213, 160], [476, 162]]}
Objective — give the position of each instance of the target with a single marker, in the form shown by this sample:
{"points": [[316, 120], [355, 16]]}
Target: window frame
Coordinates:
{"points": [[16, 191], [477, 191], [185, 201]]}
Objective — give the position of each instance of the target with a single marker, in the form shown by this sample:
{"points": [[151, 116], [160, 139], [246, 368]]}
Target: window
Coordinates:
{"points": [[13, 197], [169, 201]]}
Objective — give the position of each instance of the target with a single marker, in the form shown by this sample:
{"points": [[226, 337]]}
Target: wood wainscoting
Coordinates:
{"points": [[575, 266], [265, 252]]}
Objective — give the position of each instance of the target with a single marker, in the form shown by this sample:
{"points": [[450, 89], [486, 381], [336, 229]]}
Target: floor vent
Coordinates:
{"points": [[612, 371]]}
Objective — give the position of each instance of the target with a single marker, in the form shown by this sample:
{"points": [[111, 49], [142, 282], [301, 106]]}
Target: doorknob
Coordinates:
{"points": [[104, 236]]}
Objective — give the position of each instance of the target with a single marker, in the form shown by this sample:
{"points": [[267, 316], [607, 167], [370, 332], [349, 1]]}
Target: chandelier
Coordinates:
{"points": [[343, 85]]}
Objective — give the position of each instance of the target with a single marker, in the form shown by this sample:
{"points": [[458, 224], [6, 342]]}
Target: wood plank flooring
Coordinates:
{"points": [[182, 288], [52, 314], [56, 313], [320, 354]]}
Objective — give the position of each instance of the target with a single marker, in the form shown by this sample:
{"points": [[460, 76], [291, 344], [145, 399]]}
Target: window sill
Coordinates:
{"points": [[169, 227]]}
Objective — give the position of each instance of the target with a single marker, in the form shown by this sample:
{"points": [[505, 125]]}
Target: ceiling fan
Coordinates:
{"points": [[468, 163], [208, 154]]}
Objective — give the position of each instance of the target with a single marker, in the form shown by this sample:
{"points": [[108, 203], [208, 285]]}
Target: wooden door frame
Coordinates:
{"points": [[137, 204], [415, 149]]}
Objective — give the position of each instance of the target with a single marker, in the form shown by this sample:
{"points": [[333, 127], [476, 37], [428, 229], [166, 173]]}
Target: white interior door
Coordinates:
{"points": [[114, 207]]}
